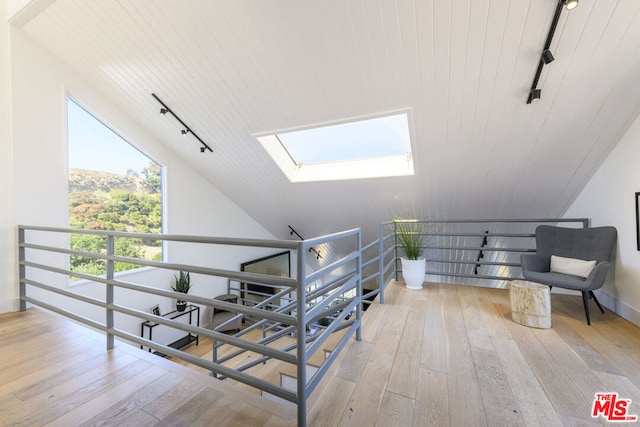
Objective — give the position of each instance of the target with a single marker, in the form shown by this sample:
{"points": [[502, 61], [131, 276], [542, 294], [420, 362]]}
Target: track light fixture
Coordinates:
{"points": [[547, 56], [311, 249], [534, 95], [186, 129]]}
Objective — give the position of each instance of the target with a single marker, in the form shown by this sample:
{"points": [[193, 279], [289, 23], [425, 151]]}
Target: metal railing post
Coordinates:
{"points": [[109, 292], [23, 270], [359, 287], [395, 251], [301, 310], [381, 282]]}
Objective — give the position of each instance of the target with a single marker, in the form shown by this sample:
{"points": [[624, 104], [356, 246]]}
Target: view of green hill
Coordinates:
{"points": [[107, 201], [88, 180]]}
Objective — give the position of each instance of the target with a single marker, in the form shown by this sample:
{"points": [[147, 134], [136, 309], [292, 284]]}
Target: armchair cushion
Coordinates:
{"points": [[573, 266]]}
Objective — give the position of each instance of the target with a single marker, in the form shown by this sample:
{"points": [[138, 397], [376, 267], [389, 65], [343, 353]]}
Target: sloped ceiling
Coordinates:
{"points": [[234, 68]]}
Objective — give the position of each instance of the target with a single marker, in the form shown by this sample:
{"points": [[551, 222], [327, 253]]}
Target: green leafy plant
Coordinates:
{"points": [[182, 282], [411, 235]]}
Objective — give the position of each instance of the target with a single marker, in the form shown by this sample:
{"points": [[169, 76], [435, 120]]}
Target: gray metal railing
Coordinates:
{"points": [[333, 290], [477, 252]]}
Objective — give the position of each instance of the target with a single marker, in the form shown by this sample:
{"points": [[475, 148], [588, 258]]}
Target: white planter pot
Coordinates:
{"points": [[413, 272]]}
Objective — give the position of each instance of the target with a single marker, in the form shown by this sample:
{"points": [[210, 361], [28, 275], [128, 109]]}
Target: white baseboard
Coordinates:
{"points": [[621, 309], [9, 305], [611, 303]]}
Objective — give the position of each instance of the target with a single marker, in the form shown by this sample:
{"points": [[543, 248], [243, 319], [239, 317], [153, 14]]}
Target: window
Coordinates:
{"points": [[373, 147], [112, 186]]}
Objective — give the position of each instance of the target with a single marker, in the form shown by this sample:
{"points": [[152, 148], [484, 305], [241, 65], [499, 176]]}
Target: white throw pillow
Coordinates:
{"points": [[576, 267]]}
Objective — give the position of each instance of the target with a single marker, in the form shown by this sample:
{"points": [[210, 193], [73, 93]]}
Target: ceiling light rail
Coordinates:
{"points": [[547, 57], [311, 249], [186, 129]]}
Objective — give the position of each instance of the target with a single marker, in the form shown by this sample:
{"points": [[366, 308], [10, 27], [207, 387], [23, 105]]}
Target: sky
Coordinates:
{"points": [[94, 146], [370, 138]]}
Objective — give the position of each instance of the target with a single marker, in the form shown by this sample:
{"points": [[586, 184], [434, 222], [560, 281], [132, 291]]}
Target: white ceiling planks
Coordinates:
{"points": [[233, 68]]}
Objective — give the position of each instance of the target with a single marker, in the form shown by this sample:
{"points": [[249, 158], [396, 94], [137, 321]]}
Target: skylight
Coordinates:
{"points": [[368, 148]]}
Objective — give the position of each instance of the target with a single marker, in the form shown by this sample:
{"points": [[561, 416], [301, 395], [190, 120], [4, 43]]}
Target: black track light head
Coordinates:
{"points": [[534, 95], [547, 56], [202, 149], [163, 111], [184, 132]]}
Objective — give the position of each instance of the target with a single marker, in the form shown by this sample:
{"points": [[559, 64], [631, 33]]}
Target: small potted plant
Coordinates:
{"points": [[182, 284], [411, 236]]}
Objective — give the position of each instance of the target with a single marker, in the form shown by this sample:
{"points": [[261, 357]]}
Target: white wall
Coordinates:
{"points": [[7, 237], [609, 199], [40, 84]]}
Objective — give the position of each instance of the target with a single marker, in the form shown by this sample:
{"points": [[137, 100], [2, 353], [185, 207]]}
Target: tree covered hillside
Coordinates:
{"points": [[107, 201]]}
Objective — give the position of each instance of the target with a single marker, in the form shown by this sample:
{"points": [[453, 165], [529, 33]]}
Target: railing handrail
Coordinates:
{"points": [[340, 295], [453, 253]]}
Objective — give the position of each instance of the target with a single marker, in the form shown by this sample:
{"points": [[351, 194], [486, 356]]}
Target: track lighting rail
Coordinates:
{"points": [[186, 129], [311, 249], [547, 56]]}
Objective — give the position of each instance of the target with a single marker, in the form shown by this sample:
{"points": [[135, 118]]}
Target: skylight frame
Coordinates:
{"points": [[372, 167]]}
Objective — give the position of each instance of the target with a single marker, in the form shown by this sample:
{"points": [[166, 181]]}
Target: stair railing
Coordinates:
{"points": [[334, 290], [479, 252]]}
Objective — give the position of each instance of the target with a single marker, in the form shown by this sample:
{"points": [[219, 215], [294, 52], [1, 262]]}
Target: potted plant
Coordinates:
{"points": [[182, 284], [411, 236]]}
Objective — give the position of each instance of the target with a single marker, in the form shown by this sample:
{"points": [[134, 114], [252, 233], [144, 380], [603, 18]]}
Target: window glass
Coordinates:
{"points": [[112, 186], [368, 148]]}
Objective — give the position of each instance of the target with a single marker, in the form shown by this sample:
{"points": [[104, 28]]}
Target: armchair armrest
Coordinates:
{"points": [[597, 276], [535, 262]]}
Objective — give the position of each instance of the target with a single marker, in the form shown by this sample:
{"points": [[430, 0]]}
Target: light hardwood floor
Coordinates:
{"points": [[444, 355]]}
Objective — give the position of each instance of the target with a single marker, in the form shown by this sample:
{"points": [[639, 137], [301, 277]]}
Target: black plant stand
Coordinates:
{"points": [[187, 339]]}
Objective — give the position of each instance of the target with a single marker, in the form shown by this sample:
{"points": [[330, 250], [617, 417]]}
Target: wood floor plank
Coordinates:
{"points": [[395, 410], [557, 383], [432, 399], [89, 395], [363, 406], [334, 397], [499, 401], [435, 338], [229, 413], [191, 410], [572, 366], [117, 397], [589, 355], [626, 364], [375, 318], [532, 401], [172, 399], [51, 374], [123, 409], [71, 392], [463, 388], [360, 352], [403, 379], [474, 321]]}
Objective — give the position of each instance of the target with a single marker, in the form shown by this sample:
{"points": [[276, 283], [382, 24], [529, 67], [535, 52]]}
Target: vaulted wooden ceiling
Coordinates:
{"points": [[234, 68]]}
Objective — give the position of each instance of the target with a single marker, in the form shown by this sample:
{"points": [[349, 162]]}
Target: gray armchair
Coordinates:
{"points": [[589, 244]]}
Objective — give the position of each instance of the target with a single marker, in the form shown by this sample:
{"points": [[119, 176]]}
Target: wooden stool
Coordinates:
{"points": [[530, 303]]}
